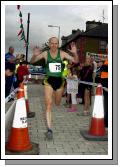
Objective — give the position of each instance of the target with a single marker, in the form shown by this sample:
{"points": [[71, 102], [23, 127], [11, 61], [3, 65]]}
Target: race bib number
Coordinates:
{"points": [[72, 86], [55, 67]]}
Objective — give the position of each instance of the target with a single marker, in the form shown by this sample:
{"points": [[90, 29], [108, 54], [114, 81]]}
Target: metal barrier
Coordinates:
{"points": [[89, 83]]}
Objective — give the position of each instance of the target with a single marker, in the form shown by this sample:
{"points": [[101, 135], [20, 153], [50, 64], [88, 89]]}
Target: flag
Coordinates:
{"points": [[20, 14], [21, 26], [25, 44], [22, 36], [21, 20], [20, 32], [18, 7]]}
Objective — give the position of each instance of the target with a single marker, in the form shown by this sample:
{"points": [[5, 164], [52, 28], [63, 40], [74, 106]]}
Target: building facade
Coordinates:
{"points": [[93, 40]]}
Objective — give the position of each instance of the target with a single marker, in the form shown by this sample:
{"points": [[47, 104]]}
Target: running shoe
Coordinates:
{"points": [[72, 110], [49, 135]]}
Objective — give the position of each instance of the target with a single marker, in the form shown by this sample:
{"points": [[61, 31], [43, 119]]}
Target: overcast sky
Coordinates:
{"points": [[65, 16]]}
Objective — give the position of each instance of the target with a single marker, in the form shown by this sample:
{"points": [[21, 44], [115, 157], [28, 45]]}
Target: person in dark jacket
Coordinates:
{"points": [[104, 82], [86, 74], [9, 57], [10, 79]]}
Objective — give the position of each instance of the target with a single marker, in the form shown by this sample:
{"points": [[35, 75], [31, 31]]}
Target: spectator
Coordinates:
{"points": [[22, 71], [9, 57], [65, 69], [68, 96], [73, 108], [94, 65], [98, 72], [86, 75], [17, 64], [80, 91], [104, 82], [10, 79]]}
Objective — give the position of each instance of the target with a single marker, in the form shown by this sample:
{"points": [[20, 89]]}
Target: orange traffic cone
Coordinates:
{"points": [[97, 127], [29, 113], [19, 137]]}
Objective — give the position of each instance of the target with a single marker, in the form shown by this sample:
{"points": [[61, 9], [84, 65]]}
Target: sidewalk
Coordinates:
{"points": [[66, 128]]}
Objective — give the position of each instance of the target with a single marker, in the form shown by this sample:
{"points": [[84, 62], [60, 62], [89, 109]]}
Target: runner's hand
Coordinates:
{"points": [[73, 48], [36, 51]]}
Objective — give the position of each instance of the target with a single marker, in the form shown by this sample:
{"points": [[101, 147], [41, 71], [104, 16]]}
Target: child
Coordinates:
{"points": [[22, 71], [72, 88]]}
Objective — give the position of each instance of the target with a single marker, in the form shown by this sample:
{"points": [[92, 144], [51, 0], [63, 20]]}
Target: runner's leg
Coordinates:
{"points": [[58, 95], [48, 103]]}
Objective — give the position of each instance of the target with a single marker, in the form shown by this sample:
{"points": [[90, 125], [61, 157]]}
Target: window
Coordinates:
{"points": [[103, 45]]}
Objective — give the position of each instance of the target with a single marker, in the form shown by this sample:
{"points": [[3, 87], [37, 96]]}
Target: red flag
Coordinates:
{"points": [[18, 7], [20, 32], [21, 20], [25, 44], [22, 38]]}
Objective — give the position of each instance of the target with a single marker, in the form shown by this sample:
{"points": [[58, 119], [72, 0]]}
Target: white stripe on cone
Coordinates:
{"points": [[20, 116], [98, 110]]}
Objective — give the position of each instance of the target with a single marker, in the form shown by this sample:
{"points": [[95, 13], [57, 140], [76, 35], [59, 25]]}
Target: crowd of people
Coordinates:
{"points": [[89, 72], [15, 70], [59, 65]]}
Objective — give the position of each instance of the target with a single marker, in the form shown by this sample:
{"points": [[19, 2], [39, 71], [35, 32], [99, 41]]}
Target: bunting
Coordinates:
{"points": [[18, 7], [98, 56], [21, 33]]}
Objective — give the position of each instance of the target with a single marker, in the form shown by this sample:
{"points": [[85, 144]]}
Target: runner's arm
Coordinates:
{"points": [[74, 59], [36, 57], [73, 50]]}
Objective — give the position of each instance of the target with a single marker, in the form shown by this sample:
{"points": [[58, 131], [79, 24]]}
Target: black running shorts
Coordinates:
{"points": [[54, 82]]}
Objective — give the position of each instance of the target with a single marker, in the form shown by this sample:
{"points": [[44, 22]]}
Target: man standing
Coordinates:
{"points": [[10, 79], [54, 82], [9, 69], [104, 82], [9, 57]]}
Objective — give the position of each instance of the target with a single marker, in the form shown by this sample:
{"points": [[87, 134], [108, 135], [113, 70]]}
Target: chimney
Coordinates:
{"points": [[92, 24], [74, 31], [64, 39]]}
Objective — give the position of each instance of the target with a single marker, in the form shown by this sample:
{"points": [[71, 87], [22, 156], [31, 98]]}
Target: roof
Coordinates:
{"points": [[100, 31], [71, 37]]}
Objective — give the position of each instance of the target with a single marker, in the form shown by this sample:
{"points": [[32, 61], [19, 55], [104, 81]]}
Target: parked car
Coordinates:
{"points": [[36, 69]]}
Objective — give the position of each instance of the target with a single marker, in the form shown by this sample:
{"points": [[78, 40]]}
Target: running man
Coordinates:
{"points": [[54, 82]]}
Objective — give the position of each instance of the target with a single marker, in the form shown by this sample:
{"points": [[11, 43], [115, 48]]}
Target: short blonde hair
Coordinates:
{"points": [[52, 38]]}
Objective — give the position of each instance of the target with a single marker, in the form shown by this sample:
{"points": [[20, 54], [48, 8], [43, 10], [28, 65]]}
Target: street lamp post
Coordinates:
{"points": [[58, 31]]}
